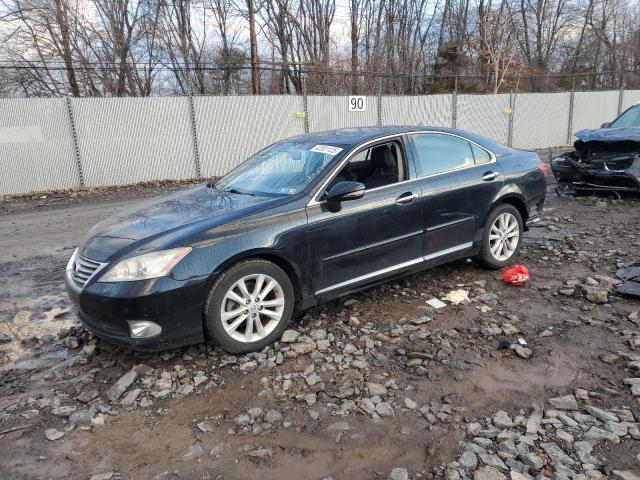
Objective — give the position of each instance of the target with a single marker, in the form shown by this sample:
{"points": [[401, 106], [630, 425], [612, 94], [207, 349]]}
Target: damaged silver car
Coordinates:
{"points": [[607, 158]]}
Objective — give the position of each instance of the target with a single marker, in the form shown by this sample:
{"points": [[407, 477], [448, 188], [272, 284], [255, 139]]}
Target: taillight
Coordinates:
{"points": [[544, 168]]}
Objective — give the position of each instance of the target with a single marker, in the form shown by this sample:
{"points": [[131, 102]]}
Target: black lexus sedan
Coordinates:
{"points": [[303, 221]]}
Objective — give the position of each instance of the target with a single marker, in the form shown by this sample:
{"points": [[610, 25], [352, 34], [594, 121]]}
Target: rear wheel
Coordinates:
{"points": [[249, 306], [502, 236]]}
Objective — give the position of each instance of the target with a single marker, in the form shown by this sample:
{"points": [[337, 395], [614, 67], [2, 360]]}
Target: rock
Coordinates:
{"points": [[4, 338], [313, 379], [185, 390], [122, 385], [384, 409], [274, 417], [557, 454], [289, 336], [583, 449], [502, 420], [158, 394], [531, 460], [303, 348], [468, 460], [410, 404], [568, 402], [518, 476], [522, 352], [249, 366], [260, 453], [194, 450], [63, 411], [377, 389], [53, 434], [205, 427], [102, 476], [620, 429], [72, 342], [600, 414], [492, 461], [255, 413], [625, 475], [29, 414], [398, 473], [533, 422], [88, 395], [596, 435], [341, 426], [242, 420], [596, 295], [130, 398], [199, 380], [488, 473], [83, 417], [215, 453]]}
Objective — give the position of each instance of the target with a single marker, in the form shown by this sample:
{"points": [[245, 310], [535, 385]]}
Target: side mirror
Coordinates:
{"points": [[605, 125], [342, 192]]}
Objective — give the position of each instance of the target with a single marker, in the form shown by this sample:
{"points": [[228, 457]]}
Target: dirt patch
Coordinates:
{"points": [[441, 371]]}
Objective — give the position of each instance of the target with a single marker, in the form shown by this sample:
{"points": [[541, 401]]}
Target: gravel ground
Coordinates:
{"points": [[378, 385]]}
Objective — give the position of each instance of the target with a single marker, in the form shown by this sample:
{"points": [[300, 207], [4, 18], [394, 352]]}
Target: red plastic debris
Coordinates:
{"points": [[544, 168], [515, 275]]}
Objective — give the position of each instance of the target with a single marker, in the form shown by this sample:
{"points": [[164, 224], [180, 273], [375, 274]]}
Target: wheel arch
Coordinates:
{"points": [[287, 266], [515, 198]]}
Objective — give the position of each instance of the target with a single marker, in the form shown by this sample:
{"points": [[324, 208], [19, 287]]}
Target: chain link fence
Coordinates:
{"points": [[61, 143]]}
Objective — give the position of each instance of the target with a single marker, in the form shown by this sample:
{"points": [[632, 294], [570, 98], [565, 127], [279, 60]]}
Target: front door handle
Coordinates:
{"points": [[406, 198], [487, 177]]}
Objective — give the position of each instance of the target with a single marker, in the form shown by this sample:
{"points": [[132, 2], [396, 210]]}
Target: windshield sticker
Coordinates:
{"points": [[328, 149]]}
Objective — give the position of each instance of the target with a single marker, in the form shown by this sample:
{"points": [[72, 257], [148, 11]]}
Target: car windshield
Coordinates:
{"points": [[630, 118], [284, 168]]}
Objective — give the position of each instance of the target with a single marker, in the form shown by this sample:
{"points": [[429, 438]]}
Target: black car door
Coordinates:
{"points": [[369, 237], [458, 181]]}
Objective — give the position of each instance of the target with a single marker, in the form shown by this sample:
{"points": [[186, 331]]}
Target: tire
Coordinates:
{"points": [[507, 254], [224, 300]]}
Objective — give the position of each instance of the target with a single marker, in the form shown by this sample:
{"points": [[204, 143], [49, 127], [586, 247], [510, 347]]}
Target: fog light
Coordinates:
{"points": [[144, 328]]}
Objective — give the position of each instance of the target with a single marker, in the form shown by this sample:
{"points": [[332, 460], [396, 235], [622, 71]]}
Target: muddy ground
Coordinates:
{"points": [[193, 413]]}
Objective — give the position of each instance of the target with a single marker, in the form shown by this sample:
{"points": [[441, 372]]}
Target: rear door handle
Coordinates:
{"points": [[487, 177], [406, 198]]}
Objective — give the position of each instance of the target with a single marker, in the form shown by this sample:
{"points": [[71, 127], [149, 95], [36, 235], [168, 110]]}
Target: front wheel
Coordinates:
{"points": [[249, 306], [502, 236]]}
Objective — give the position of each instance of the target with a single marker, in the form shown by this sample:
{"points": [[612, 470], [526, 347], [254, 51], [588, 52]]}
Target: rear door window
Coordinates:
{"points": [[438, 153]]}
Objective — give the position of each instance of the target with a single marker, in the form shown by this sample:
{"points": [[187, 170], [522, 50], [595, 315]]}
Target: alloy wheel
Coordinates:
{"points": [[252, 308], [504, 236]]}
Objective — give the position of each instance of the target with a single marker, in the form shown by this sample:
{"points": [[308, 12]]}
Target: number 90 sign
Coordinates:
{"points": [[357, 103]]}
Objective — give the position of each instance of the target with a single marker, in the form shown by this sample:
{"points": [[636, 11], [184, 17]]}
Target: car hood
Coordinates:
{"points": [[197, 207], [608, 141], [627, 134]]}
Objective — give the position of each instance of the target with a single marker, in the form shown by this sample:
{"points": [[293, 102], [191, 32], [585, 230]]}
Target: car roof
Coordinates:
{"points": [[348, 137]]}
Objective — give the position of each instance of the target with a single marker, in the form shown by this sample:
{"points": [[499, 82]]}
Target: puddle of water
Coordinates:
{"points": [[555, 372], [34, 317]]}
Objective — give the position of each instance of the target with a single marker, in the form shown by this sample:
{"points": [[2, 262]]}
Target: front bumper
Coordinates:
{"points": [[581, 177], [176, 306]]}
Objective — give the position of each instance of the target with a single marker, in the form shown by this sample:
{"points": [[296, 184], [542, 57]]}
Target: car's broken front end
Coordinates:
{"points": [[604, 159]]}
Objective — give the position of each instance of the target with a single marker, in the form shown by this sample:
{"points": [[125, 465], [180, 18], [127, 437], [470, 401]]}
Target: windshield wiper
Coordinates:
{"points": [[233, 190]]}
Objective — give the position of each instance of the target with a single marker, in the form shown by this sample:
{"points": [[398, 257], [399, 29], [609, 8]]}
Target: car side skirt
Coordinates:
{"points": [[411, 266]]}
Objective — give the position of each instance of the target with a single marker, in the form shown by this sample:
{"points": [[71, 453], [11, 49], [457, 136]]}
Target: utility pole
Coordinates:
{"points": [[255, 81]]}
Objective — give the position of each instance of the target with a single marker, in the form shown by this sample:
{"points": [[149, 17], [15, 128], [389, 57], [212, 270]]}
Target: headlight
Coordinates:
{"points": [[144, 267]]}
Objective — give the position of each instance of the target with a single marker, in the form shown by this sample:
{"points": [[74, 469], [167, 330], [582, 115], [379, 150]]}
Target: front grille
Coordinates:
{"points": [[83, 269]]}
